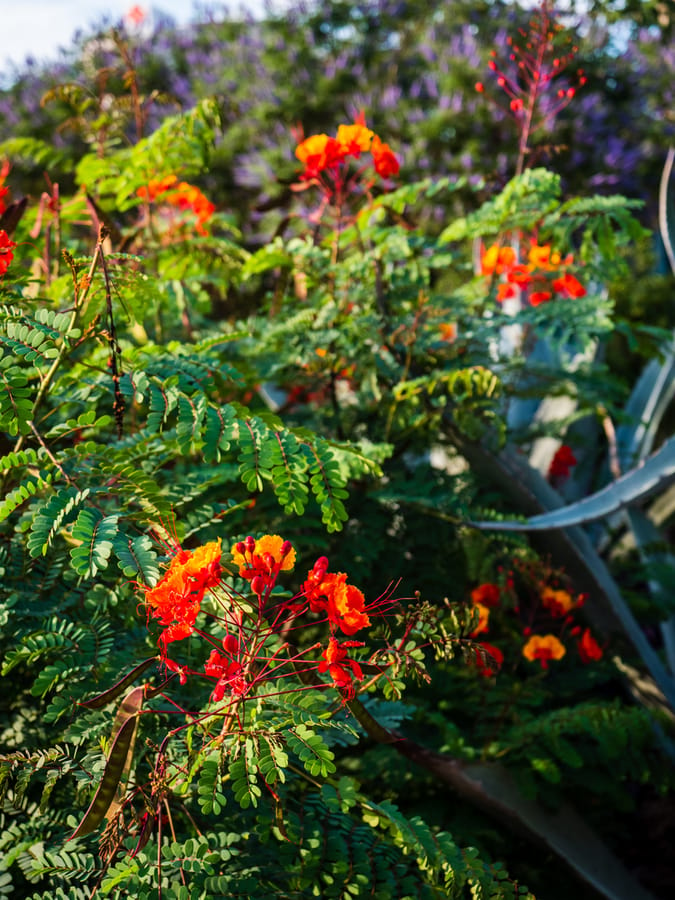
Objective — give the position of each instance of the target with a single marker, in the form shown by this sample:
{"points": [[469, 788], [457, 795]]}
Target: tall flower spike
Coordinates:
{"points": [[534, 77]]}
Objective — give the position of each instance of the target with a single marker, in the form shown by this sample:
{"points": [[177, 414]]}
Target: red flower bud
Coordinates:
{"points": [[230, 643], [257, 585]]}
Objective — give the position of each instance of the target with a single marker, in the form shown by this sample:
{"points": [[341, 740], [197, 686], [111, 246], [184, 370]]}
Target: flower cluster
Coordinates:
{"points": [[537, 280], [4, 190], [321, 153], [177, 597], [341, 603], [181, 195], [7, 245], [328, 163], [242, 654], [538, 609]]}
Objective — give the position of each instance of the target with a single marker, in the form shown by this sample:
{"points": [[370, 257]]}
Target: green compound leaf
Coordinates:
{"points": [[96, 533], [136, 557]]}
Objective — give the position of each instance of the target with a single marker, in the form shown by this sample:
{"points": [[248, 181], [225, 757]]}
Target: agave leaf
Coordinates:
{"points": [[569, 547], [124, 731], [667, 208], [648, 402], [647, 536], [642, 482], [101, 700]]}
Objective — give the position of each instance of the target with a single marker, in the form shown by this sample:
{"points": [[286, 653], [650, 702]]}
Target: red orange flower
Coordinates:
{"points": [[228, 672], [4, 191], [497, 260], [448, 331], [535, 276], [588, 647], [384, 160], [559, 603], [568, 286], [155, 187], [544, 647], [486, 594], [354, 139], [483, 619], [341, 669], [136, 15], [321, 153], [176, 598], [329, 593], [318, 152], [182, 195], [7, 247]]}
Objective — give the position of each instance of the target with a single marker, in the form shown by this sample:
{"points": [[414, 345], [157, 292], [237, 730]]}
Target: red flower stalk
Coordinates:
{"points": [[534, 78]]}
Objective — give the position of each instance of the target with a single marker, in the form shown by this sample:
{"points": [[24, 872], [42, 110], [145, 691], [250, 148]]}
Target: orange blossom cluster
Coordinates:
{"points": [[181, 195], [176, 601], [552, 605], [538, 279]]}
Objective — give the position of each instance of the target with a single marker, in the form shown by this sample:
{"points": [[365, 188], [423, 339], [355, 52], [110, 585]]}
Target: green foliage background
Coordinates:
{"points": [[284, 377]]}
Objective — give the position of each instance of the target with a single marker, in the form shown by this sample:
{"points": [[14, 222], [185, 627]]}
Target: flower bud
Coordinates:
{"points": [[230, 644], [257, 584], [321, 565]]}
